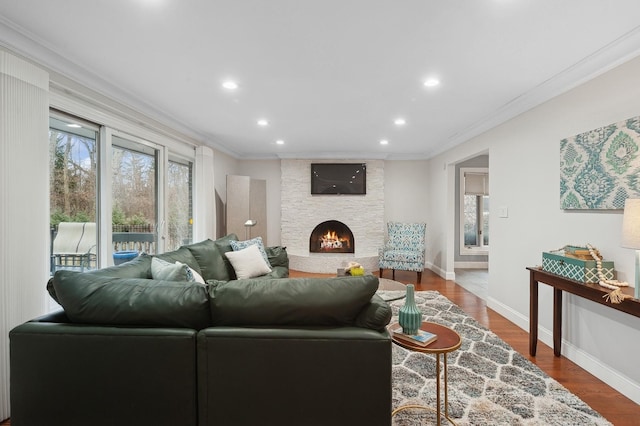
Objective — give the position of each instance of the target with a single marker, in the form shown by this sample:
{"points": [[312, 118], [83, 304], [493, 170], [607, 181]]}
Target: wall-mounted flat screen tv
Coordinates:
{"points": [[339, 178]]}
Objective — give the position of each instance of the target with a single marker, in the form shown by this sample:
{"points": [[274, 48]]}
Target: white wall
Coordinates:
{"points": [[406, 194], [524, 169]]}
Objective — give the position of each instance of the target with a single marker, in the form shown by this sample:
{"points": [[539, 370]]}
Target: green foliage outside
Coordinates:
{"points": [[58, 216], [118, 217]]}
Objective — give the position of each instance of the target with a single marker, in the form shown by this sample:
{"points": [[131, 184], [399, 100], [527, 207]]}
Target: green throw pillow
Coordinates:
{"points": [[165, 271], [211, 259]]}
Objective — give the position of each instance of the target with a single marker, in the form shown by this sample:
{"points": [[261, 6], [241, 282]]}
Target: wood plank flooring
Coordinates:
{"points": [[618, 409]]}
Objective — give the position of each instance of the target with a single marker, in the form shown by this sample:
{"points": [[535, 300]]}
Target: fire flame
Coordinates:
{"points": [[330, 235], [332, 240]]}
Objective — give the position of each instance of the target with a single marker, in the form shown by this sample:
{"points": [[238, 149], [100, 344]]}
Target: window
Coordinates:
{"points": [[474, 211], [134, 196], [115, 190], [73, 193]]}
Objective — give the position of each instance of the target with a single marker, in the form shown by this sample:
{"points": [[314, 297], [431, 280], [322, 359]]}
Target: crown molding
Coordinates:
{"points": [[612, 55]]}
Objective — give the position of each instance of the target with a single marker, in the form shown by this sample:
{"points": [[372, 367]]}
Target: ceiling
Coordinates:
{"points": [[330, 76]]}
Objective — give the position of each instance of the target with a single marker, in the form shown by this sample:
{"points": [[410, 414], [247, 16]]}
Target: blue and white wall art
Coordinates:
{"points": [[600, 169]]}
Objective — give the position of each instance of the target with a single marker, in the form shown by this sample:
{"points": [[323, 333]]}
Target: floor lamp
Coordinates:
{"points": [[247, 228], [631, 234]]}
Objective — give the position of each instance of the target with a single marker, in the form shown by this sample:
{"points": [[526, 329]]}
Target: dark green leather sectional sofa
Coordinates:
{"points": [[130, 350]]}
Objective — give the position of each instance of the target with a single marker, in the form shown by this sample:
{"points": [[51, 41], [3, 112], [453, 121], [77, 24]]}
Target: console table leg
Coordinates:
{"points": [[557, 322], [446, 389], [533, 315]]}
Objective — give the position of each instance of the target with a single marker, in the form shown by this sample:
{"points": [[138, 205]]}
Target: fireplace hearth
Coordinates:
{"points": [[331, 236]]}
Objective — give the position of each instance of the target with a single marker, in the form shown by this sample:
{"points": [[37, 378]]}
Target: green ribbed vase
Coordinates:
{"points": [[410, 317]]}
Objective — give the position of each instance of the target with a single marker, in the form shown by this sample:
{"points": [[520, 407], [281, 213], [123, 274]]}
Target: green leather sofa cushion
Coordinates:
{"points": [[95, 299], [140, 267], [375, 315], [213, 264], [291, 301], [279, 261], [277, 256]]}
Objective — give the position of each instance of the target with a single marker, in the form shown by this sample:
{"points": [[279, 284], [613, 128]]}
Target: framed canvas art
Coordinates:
{"points": [[600, 169]]}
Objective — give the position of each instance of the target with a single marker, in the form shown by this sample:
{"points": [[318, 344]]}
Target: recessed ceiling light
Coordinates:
{"points": [[399, 121], [263, 122], [384, 142], [230, 85], [280, 142], [431, 82]]}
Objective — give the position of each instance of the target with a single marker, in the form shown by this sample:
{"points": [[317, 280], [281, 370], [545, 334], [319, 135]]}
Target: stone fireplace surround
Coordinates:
{"points": [[301, 212]]}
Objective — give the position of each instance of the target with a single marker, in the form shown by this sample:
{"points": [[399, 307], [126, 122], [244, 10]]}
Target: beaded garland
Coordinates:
{"points": [[615, 296]]}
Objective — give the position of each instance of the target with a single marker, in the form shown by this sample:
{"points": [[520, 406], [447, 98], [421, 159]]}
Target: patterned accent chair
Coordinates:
{"points": [[404, 249]]}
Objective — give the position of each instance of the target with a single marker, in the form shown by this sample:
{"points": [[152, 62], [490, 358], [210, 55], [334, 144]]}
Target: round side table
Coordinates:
{"points": [[448, 341]]}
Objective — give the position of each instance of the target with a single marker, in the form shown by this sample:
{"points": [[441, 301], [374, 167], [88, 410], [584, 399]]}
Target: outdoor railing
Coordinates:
{"points": [[141, 238], [142, 242]]}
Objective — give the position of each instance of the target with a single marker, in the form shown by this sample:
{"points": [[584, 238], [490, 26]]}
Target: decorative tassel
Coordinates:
{"points": [[617, 296]]}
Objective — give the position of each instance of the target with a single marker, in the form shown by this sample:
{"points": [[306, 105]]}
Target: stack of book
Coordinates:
{"points": [[423, 338]]}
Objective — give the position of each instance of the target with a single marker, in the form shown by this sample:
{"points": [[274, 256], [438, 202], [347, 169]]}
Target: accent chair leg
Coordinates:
{"points": [[380, 273], [393, 274], [419, 277]]}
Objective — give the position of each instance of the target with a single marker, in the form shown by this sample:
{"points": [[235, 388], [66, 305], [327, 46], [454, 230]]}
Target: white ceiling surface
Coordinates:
{"points": [[329, 75]]}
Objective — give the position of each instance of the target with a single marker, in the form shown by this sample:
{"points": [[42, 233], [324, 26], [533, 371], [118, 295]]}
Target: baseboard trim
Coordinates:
{"points": [[604, 372], [449, 276], [471, 265]]}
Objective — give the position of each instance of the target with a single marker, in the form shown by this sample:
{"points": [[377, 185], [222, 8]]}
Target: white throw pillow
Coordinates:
{"points": [[248, 262], [239, 245]]}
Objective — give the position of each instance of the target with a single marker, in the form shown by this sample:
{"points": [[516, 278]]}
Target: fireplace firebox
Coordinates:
{"points": [[331, 236]]}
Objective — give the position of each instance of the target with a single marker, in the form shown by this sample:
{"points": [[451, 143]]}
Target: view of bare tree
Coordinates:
{"points": [[73, 187]]}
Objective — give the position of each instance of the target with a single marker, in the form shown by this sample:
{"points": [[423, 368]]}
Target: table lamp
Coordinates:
{"points": [[631, 234], [247, 228]]}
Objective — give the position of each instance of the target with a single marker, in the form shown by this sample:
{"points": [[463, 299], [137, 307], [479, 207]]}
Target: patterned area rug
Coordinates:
{"points": [[489, 382]]}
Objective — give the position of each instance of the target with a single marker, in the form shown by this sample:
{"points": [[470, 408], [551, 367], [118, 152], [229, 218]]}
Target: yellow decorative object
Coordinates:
{"points": [[357, 271]]}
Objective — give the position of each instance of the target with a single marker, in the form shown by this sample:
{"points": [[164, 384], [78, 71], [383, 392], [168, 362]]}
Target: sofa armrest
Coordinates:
{"points": [[92, 375]]}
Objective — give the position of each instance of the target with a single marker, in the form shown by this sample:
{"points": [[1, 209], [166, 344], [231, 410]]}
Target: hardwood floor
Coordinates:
{"points": [[618, 409]]}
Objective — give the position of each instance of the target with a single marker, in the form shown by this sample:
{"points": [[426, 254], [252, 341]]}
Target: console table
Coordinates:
{"points": [[591, 292]]}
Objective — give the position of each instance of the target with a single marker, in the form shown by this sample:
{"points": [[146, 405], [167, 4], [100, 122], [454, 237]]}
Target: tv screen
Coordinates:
{"points": [[339, 178]]}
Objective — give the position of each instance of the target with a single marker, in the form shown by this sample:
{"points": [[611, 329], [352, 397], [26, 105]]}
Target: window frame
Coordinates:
{"points": [[86, 124], [480, 249], [113, 121]]}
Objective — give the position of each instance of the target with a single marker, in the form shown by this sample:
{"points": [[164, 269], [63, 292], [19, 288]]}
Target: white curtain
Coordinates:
{"points": [[204, 196], [24, 201]]}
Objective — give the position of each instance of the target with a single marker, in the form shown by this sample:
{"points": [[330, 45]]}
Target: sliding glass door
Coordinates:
{"points": [[134, 187], [112, 192], [73, 183]]}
